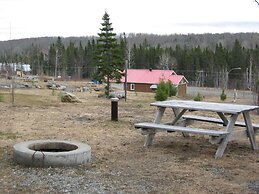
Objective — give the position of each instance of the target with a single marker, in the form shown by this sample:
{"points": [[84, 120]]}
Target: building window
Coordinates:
{"points": [[132, 86]]}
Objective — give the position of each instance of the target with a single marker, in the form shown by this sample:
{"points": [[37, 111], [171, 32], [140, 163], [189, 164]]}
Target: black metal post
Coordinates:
{"points": [[114, 109]]}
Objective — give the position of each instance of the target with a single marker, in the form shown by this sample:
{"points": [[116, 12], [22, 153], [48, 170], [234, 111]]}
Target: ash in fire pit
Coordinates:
{"points": [[45, 153], [56, 146]]}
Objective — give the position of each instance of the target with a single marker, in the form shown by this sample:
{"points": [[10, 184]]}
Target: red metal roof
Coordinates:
{"points": [[152, 76]]}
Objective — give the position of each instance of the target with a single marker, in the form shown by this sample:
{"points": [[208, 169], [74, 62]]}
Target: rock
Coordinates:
{"points": [[61, 87], [120, 95], [86, 89], [100, 95], [68, 97], [51, 85]]}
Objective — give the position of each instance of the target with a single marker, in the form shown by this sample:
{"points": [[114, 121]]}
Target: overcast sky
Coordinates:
{"points": [[37, 18]]}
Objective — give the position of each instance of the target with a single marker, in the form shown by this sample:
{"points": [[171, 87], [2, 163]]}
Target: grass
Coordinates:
{"points": [[29, 99], [117, 146], [1, 97], [7, 135]]}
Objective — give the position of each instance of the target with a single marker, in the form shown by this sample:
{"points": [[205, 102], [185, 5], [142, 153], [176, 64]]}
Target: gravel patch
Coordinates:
{"points": [[76, 180]]}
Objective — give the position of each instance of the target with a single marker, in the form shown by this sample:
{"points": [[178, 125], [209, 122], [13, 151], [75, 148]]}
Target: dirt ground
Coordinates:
{"points": [[120, 163]]}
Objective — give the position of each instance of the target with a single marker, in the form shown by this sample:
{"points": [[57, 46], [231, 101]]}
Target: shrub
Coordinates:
{"points": [[53, 93], [60, 96], [172, 90], [106, 91], [162, 91], [223, 96], [199, 97], [1, 97]]}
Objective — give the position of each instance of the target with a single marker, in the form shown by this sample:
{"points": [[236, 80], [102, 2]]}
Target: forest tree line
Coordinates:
{"points": [[202, 66]]}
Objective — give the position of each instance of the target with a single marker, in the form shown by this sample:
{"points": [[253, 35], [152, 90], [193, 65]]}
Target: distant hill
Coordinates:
{"points": [[17, 46], [248, 40]]}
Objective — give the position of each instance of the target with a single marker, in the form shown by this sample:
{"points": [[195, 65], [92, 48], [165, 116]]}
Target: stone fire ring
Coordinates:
{"points": [[51, 153]]}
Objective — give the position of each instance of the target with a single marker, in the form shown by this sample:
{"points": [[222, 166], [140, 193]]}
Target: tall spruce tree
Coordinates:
{"points": [[59, 63], [108, 57]]}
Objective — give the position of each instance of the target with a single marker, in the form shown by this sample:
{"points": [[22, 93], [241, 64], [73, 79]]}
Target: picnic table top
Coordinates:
{"points": [[206, 106]]}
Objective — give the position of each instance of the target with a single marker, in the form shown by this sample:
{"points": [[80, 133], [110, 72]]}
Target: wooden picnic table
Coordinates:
{"points": [[228, 114]]}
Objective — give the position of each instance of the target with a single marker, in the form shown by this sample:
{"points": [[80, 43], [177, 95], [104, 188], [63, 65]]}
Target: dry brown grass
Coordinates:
{"points": [[174, 164]]}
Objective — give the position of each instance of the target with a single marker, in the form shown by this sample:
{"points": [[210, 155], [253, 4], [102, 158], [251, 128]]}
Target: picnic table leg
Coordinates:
{"points": [[250, 130], [224, 142], [152, 132], [223, 117], [178, 115], [150, 138]]}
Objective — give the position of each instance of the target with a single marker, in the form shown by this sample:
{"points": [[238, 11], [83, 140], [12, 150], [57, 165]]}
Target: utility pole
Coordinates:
{"points": [[126, 71], [13, 83], [250, 74], [126, 76], [227, 74], [200, 79], [127, 65]]}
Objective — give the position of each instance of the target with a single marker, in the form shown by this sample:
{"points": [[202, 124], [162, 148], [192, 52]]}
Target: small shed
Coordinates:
{"points": [[19, 72], [146, 80]]}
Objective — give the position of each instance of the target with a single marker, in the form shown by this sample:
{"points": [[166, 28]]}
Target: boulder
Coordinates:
{"points": [[69, 97]]}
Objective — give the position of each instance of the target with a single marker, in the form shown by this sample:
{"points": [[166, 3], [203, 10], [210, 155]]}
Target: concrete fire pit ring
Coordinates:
{"points": [[51, 153]]}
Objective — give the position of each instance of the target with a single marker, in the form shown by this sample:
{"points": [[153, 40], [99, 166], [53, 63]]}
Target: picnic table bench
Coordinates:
{"points": [[217, 121], [180, 122], [174, 128]]}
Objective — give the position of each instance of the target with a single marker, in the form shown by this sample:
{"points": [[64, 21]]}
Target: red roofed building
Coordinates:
{"points": [[142, 80]]}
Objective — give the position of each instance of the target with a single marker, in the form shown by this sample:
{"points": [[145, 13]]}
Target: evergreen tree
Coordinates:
{"points": [[109, 62], [71, 59], [51, 60], [34, 54], [80, 60], [179, 54], [172, 89], [220, 56], [88, 66], [60, 65], [162, 91], [237, 56], [221, 62], [208, 66]]}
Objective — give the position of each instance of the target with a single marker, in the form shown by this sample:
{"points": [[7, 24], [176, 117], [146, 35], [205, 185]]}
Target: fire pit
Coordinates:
{"points": [[54, 153]]}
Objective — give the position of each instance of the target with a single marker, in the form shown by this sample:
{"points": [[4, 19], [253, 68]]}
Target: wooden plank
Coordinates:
{"points": [[223, 118], [203, 119], [224, 142], [250, 130], [178, 116], [150, 138], [176, 111], [159, 114], [206, 106], [180, 129], [151, 135], [215, 120]]}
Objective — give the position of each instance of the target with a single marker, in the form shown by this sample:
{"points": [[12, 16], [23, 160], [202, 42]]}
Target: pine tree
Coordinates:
{"points": [[162, 91], [59, 57], [88, 66], [51, 61], [80, 60], [108, 58]]}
